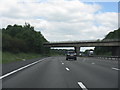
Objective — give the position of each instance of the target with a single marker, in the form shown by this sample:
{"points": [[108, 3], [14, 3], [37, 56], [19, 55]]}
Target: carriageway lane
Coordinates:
{"points": [[94, 75], [102, 62], [47, 74], [56, 72]]}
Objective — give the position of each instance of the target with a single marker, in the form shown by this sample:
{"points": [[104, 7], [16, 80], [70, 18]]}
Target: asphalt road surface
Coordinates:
{"points": [[56, 72]]}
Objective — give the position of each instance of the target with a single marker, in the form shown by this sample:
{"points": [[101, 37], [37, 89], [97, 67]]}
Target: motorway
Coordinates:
{"points": [[56, 72]]}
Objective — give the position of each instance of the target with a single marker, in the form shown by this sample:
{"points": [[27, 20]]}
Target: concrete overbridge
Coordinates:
{"points": [[115, 44]]}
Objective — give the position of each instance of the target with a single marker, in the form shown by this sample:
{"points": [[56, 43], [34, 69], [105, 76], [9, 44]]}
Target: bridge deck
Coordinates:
{"points": [[83, 44]]}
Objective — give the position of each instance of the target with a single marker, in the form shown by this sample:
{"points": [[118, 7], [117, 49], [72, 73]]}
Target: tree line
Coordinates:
{"points": [[115, 35], [18, 38]]}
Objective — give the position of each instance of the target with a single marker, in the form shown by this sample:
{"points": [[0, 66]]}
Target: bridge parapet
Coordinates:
{"points": [[115, 44], [84, 43], [105, 40]]}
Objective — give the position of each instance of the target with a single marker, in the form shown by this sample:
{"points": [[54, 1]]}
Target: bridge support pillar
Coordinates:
{"points": [[77, 50], [116, 51]]}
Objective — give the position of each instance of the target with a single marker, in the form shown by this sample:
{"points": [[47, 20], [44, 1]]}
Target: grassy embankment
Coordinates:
{"points": [[8, 57]]}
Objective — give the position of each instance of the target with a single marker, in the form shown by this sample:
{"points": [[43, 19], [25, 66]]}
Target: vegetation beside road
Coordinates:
{"points": [[8, 57], [18, 38], [24, 42], [56, 52], [115, 35]]}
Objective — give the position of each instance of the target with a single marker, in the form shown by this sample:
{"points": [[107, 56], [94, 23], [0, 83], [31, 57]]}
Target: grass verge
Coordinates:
{"points": [[8, 57]]}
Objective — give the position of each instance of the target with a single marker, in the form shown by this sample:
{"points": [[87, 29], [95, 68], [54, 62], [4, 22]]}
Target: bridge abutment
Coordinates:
{"points": [[77, 50], [116, 51]]}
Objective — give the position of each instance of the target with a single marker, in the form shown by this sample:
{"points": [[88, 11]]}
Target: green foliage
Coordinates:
{"points": [[57, 52], [13, 44], [103, 50], [115, 35], [8, 57], [19, 38]]}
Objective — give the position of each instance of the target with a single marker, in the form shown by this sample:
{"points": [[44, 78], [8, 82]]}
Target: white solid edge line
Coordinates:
{"points": [[115, 68], [67, 69], [82, 86], [1, 77]]}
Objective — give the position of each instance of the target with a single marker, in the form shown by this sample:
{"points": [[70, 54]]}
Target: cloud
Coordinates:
{"points": [[60, 20], [107, 19]]}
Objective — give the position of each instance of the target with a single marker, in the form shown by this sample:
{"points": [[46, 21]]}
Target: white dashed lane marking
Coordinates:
{"points": [[62, 63], [82, 86], [67, 69], [115, 69]]}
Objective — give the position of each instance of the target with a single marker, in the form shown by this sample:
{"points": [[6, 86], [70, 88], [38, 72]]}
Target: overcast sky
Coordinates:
{"points": [[62, 20]]}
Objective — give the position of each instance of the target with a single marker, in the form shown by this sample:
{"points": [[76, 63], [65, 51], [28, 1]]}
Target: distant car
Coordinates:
{"points": [[71, 55]]}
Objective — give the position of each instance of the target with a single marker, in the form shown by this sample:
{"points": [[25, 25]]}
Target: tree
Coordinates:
{"points": [[115, 35], [19, 38]]}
